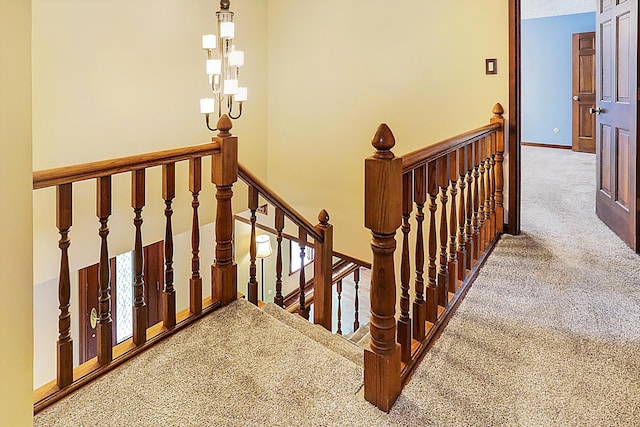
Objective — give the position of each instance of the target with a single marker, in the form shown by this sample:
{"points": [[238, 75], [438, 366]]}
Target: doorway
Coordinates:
{"points": [[121, 283]]}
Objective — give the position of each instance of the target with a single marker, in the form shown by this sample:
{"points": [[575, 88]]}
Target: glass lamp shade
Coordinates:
{"points": [[241, 95], [227, 30], [236, 58], [207, 105], [263, 246], [214, 66], [230, 87], [209, 41]]}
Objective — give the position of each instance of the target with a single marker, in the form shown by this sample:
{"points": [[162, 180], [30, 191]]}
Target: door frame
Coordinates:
{"points": [[514, 122]]}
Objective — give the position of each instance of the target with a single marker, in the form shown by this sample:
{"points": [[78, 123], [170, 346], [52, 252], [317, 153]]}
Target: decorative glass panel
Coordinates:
{"points": [[124, 296]]}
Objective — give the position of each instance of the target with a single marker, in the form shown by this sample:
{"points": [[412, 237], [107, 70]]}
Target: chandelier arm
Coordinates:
{"points": [[231, 116], [209, 127]]}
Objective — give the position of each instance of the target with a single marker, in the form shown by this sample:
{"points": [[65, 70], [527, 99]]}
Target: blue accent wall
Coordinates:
{"points": [[546, 76]]}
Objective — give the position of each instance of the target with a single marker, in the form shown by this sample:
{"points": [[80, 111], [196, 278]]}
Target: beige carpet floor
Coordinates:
{"points": [[549, 335]]}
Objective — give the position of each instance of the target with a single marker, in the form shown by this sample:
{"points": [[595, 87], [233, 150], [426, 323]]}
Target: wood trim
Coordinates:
{"points": [[422, 156], [81, 172], [541, 145], [268, 194], [514, 122]]}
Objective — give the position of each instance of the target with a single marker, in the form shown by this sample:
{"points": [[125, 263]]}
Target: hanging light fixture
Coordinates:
{"points": [[223, 67]]}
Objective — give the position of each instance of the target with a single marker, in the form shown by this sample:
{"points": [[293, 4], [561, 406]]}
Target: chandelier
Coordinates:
{"points": [[222, 68]]}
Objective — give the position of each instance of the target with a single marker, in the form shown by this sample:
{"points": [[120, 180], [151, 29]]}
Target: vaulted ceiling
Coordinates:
{"points": [[542, 8]]}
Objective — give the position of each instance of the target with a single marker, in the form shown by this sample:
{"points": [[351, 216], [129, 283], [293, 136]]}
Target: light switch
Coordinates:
{"points": [[491, 66]]}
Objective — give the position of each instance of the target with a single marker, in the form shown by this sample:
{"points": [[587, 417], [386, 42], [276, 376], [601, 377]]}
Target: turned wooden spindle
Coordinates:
{"points": [[224, 172], [383, 216], [252, 286], [356, 304], [279, 225], [302, 243], [139, 306], [104, 333], [475, 225], [481, 195], [468, 225], [498, 111], [195, 282], [404, 323], [487, 236], [339, 290], [461, 241], [492, 186], [168, 293], [442, 172], [453, 221], [432, 284], [64, 345], [323, 272], [419, 304]]}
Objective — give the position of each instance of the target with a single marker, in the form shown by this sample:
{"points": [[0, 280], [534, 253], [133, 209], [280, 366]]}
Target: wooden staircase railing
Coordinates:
{"points": [[225, 171], [461, 182], [321, 235]]}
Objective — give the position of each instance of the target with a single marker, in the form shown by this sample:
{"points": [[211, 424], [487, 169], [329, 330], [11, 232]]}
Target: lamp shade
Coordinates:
{"points": [[263, 246]]}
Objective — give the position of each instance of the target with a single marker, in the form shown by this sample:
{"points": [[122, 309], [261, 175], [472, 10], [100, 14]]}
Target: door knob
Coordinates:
{"points": [[576, 98], [596, 111]]}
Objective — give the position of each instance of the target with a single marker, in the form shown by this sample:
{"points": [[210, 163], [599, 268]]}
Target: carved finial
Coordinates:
{"points": [[224, 125], [498, 111], [323, 217], [383, 141], [225, 4]]}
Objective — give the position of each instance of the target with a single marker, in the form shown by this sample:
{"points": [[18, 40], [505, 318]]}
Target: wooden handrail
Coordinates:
{"points": [[68, 174], [265, 191], [417, 158]]}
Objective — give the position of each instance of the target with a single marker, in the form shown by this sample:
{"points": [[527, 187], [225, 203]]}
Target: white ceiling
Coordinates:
{"points": [[542, 8]]}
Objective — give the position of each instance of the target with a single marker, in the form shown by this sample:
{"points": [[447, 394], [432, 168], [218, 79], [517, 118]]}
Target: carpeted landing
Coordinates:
{"points": [[549, 335]]}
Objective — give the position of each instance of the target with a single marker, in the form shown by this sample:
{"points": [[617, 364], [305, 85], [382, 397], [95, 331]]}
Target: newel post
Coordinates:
{"points": [[383, 216], [224, 172], [498, 111], [322, 273]]}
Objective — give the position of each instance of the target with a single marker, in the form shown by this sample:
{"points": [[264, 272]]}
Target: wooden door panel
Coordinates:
{"points": [[584, 92], [617, 151], [622, 168]]}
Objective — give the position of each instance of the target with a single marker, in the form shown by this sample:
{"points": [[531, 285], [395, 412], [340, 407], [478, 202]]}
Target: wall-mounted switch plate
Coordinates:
{"points": [[491, 66]]}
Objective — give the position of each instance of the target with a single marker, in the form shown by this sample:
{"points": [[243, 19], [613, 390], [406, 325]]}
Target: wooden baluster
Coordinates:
{"points": [[432, 287], [64, 346], [462, 235], [323, 272], [419, 304], [252, 286], [105, 335], [442, 171], [279, 224], [356, 303], [453, 221], [468, 225], [383, 216], [404, 323], [481, 195], [139, 306], [195, 283], [168, 293], [476, 194], [487, 197], [492, 185], [224, 172], [302, 236], [498, 111], [339, 289]]}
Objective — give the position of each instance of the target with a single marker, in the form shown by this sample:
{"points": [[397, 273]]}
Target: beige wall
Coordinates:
{"points": [[16, 357], [119, 77], [338, 68]]}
